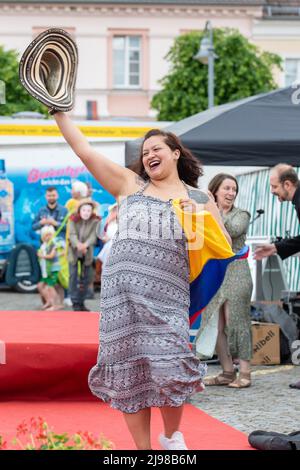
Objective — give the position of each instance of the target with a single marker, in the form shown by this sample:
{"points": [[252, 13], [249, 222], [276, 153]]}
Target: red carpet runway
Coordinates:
{"points": [[201, 431], [48, 356]]}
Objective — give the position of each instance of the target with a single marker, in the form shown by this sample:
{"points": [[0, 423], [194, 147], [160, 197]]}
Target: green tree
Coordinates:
{"points": [[241, 70], [17, 98]]}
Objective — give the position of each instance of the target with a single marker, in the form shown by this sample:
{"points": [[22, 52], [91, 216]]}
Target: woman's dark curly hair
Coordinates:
{"points": [[189, 168]]}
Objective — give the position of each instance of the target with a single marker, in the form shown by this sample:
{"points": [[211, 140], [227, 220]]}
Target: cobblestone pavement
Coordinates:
{"points": [[10, 300], [269, 404]]}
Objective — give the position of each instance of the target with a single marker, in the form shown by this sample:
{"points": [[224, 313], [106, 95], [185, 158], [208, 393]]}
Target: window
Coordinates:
{"points": [[126, 61], [292, 71]]}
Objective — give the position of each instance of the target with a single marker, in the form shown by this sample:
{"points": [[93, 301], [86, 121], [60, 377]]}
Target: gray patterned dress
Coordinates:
{"points": [[236, 290], [144, 357]]}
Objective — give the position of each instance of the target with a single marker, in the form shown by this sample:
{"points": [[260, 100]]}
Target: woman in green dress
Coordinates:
{"points": [[226, 325]]}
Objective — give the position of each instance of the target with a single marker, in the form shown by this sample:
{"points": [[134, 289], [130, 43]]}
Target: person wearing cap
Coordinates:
{"points": [[83, 239]]}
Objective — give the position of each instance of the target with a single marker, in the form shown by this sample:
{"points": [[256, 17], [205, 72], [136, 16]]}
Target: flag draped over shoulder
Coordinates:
{"points": [[209, 256]]}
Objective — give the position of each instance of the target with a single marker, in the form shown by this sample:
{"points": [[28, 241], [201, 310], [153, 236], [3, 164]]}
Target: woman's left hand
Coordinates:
{"points": [[189, 205]]}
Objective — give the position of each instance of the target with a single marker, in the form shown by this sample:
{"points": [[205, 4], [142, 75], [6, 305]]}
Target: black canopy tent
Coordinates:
{"points": [[261, 130]]}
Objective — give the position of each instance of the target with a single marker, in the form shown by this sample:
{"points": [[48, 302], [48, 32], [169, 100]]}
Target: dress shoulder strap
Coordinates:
{"points": [[196, 194], [199, 196], [143, 185]]}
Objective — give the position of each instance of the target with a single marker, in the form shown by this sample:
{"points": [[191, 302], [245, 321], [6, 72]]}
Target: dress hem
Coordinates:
{"points": [[150, 403]]}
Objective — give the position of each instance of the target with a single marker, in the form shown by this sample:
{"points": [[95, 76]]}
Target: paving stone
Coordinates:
{"points": [[269, 404]]}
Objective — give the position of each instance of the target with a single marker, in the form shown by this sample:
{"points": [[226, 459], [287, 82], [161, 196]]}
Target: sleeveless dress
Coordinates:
{"points": [[144, 357]]}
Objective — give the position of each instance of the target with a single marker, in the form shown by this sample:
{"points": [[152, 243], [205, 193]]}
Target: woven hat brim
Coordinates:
{"points": [[48, 69]]}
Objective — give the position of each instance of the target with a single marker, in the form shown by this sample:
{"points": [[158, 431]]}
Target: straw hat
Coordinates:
{"points": [[48, 69], [87, 201]]}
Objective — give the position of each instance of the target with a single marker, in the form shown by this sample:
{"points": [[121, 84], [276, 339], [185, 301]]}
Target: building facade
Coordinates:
{"points": [[122, 44]]}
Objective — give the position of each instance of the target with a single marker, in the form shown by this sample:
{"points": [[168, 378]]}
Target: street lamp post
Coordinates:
{"points": [[2, 92], [206, 55]]}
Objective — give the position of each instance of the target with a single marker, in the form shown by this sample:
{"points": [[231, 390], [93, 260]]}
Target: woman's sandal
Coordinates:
{"points": [[225, 378], [243, 381]]}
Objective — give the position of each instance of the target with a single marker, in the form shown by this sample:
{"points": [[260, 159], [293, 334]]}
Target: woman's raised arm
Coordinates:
{"points": [[114, 178]]}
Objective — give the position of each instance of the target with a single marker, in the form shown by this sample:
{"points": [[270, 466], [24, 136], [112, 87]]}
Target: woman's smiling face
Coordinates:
{"points": [[226, 193], [158, 159]]}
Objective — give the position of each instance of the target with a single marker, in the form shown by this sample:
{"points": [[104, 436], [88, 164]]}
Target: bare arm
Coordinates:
{"points": [[114, 178]]}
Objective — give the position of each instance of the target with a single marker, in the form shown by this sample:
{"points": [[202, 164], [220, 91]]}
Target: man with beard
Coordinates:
{"points": [[285, 185], [51, 214]]}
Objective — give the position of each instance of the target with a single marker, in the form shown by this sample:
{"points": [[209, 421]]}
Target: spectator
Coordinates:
{"points": [[83, 238], [52, 214], [49, 288], [79, 191]]}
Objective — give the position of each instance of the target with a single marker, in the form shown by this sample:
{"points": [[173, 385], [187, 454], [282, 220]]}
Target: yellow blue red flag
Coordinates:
{"points": [[209, 255]]}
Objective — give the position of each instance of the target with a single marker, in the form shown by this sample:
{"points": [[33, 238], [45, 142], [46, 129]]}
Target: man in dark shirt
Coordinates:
{"points": [[51, 214], [286, 186]]}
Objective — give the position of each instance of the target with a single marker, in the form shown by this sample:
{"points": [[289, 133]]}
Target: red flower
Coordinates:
{"points": [[3, 444], [22, 428], [37, 435]]}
